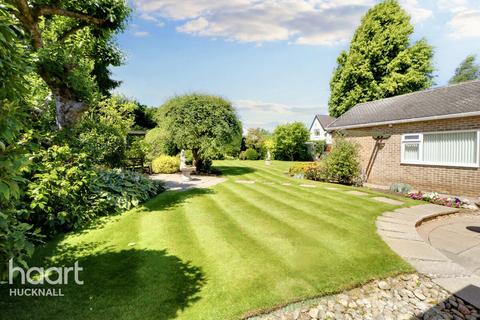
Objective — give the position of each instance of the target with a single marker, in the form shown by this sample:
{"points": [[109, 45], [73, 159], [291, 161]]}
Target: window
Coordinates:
{"points": [[456, 148], [316, 132]]}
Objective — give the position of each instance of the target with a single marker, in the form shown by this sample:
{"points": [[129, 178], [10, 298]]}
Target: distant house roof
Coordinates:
{"points": [[323, 119], [455, 101]]}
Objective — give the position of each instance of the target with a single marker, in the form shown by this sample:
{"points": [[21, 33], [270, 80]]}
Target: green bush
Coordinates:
{"points": [[165, 164], [290, 142], [298, 168], [342, 164], [58, 190], [66, 191], [318, 148], [102, 132], [251, 154], [311, 171], [158, 142], [15, 242]]}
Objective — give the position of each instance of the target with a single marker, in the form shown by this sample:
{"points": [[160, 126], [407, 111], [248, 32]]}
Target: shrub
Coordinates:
{"points": [[316, 171], [251, 154], [117, 190], [102, 132], [318, 148], [165, 164], [158, 142], [342, 164], [58, 190], [297, 169], [66, 191], [15, 242], [400, 188]]}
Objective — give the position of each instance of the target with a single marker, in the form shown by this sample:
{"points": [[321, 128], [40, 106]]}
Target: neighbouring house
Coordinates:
{"points": [[428, 139], [318, 128]]}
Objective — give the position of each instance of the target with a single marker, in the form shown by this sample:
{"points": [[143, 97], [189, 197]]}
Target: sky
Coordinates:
{"points": [[273, 59]]}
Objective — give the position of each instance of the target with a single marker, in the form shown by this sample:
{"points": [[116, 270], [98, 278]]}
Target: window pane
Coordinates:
{"points": [[450, 148], [411, 152], [412, 137]]}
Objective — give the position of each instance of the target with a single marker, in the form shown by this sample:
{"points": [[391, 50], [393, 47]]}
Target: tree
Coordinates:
{"points": [[381, 62], [102, 131], [255, 139], [73, 42], [204, 124], [290, 141], [466, 71]]}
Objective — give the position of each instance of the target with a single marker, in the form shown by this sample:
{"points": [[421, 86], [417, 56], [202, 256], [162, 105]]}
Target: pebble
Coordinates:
{"points": [[411, 296]]}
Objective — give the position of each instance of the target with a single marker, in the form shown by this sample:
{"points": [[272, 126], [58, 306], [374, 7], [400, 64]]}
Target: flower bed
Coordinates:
{"points": [[435, 198]]}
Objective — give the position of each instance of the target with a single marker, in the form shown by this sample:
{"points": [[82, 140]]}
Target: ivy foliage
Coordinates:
{"points": [[381, 61]]}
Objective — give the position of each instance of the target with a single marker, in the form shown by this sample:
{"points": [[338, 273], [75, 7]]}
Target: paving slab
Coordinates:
{"points": [[402, 216], [286, 184], [388, 201], [357, 193], [452, 241], [387, 235], [332, 188], [439, 269], [245, 181], [467, 288], [416, 250], [307, 185], [175, 182], [393, 220], [382, 225]]}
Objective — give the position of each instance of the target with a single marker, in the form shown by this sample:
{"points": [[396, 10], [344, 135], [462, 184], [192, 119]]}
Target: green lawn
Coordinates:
{"points": [[218, 253]]}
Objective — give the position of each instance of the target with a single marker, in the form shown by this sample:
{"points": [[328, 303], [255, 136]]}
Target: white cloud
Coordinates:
{"points": [[148, 17], [321, 22], [269, 114], [465, 24], [417, 13], [454, 6], [141, 34], [305, 22]]}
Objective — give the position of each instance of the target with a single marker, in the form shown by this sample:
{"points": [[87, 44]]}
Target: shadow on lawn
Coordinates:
{"points": [[129, 284], [234, 171], [171, 199]]}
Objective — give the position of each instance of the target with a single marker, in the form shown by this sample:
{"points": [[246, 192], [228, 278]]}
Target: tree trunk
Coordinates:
{"points": [[197, 161], [68, 112]]}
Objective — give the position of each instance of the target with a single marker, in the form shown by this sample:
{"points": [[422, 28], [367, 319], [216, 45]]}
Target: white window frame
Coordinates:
{"points": [[430, 163]]}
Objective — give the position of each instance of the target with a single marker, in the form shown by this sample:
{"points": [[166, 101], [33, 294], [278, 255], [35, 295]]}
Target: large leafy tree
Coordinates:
{"points": [[290, 141], [381, 61], [204, 124], [72, 40], [466, 71]]}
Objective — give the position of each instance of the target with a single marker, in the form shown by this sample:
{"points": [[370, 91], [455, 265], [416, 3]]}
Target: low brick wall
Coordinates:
{"points": [[382, 164]]}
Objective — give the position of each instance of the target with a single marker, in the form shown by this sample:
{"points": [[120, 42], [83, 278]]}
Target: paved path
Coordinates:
{"points": [[176, 183], [398, 230], [457, 237]]}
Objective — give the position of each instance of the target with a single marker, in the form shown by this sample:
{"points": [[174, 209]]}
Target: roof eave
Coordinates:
{"points": [[431, 118]]}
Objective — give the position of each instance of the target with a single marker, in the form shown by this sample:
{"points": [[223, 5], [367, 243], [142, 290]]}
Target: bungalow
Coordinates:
{"points": [[428, 139], [318, 128]]}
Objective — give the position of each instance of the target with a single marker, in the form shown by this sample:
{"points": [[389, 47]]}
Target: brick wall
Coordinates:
{"points": [[385, 168]]}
